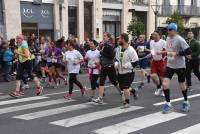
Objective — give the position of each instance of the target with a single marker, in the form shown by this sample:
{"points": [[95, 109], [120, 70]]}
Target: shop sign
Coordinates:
{"points": [[37, 13]]}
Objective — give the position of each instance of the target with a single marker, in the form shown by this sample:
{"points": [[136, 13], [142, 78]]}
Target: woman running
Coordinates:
{"points": [[92, 56], [73, 60], [24, 65]]}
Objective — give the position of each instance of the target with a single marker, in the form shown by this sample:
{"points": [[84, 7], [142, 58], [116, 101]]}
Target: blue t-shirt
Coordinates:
{"points": [[8, 56]]}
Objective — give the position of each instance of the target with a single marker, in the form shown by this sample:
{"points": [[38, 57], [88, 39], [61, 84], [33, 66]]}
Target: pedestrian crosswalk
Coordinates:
{"points": [[13, 101], [31, 106], [54, 111], [4, 97], [93, 116], [138, 123], [29, 109], [190, 130]]}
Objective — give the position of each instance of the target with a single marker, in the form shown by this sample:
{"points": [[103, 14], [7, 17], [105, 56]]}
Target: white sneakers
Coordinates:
{"points": [[159, 92], [25, 86]]}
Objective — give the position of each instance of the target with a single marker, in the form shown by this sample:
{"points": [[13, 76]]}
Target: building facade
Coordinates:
{"points": [[188, 9], [88, 18]]}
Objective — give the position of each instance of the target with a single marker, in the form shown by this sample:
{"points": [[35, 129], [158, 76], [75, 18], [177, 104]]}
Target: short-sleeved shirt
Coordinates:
{"points": [[140, 47], [157, 46], [176, 44], [57, 55], [93, 58], [71, 57], [54, 55], [127, 56], [24, 45]]}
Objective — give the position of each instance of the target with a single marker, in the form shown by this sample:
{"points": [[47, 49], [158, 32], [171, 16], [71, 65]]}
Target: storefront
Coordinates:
{"points": [[112, 22], [37, 19]]}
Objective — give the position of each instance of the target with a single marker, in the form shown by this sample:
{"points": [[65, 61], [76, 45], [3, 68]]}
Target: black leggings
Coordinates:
{"points": [[93, 81], [72, 80], [111, 73], [22, 67]]}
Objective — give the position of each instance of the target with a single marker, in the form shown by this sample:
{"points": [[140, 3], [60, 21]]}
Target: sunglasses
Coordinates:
{"points": [[170, 29]]}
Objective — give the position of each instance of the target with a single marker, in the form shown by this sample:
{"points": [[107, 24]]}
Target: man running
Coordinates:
{"points": [[192, 60], [142, 48], [158, 62], [176, 49], [126, 61]]}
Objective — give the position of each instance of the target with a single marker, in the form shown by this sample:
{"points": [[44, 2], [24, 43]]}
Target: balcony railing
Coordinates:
{"points": [[112, 1], [188, 11], [139, 2], [134, 2]]}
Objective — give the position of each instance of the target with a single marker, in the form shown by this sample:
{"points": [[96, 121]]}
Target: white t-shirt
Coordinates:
{"points": [[157, 46], [71, 57], [93, 57], [125, 59]]}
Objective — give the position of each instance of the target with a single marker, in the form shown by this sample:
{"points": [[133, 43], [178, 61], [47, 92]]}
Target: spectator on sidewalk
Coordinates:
{"points": [[7, 60]]}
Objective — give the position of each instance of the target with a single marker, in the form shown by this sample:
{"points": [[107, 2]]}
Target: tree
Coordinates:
{"points": [[178, 19], [136, 27]]}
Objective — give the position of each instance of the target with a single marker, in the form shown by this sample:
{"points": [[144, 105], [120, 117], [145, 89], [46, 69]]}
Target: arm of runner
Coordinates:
{"points": [[79, 58], [86, 58], [185, 52], [185, 48]]}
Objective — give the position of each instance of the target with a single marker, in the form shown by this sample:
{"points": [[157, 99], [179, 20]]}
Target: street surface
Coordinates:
{"points": [[51, 114]]}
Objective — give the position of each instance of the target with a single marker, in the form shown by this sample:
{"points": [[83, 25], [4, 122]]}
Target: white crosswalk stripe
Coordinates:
{"points": [[190, 130], [33, 105], [54, 111], [22, 100], [145, 121], [178, 99], [139, 123], [93, 116], [4, 97]]}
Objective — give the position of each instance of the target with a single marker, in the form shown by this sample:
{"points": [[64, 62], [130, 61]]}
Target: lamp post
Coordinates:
{"points": [[155, 9]]}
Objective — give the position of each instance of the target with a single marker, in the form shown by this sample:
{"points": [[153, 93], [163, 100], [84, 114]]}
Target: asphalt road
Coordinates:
{"points": [[51, 114]]}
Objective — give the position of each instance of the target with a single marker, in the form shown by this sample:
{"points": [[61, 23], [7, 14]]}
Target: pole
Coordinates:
{"points": [[4, 20], [156, 13], [156, 19]]}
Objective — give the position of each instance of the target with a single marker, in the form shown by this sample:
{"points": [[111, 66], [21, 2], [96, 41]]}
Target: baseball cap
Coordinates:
{"points": [[172, 27]]}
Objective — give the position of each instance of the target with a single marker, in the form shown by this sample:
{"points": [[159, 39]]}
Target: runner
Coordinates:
{"points": [[51, 68], [192, 61], [43, 63], [126, 61], [24, 65], [107, 67], [92, 56], [73, 59], [57, 64], [176, 49], [158, 62], [142, 49]]}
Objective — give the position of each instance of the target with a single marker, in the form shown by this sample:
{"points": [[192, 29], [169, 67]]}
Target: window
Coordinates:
{"points": [[72, 13], [193, 2], [1, 12]]}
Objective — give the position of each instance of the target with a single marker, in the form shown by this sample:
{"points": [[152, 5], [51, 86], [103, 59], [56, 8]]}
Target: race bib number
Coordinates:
{"points": [[54, 60]]}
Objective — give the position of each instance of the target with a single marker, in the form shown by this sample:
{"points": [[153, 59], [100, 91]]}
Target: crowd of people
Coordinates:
{"points": [[39, 60]]}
